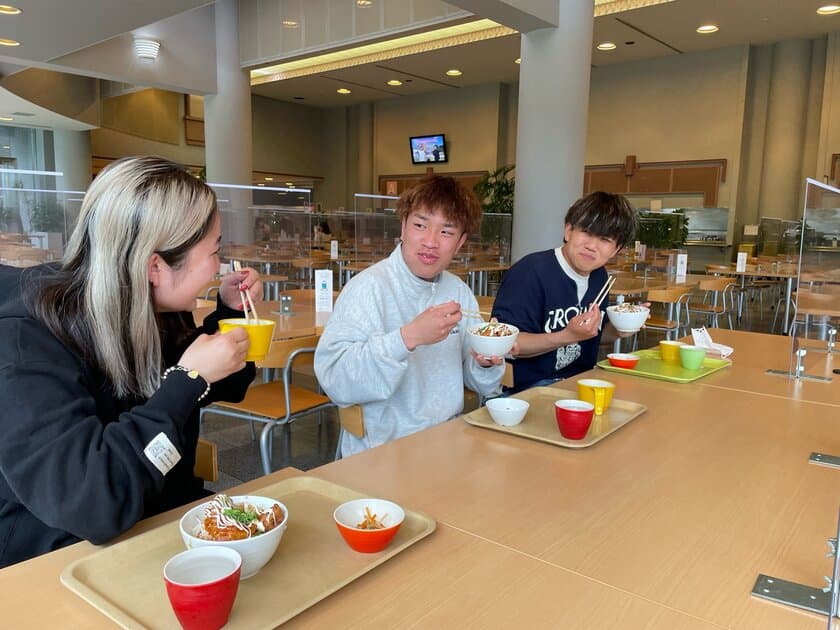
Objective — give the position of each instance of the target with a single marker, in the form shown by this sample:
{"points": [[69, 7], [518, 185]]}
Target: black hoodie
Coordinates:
{"points": [[72, 462]]}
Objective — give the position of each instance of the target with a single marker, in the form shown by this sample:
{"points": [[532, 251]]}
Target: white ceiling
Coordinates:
{"points": [[660, 30], [56, 30]]}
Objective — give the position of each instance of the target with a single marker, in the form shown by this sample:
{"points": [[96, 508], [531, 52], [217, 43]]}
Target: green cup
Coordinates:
{"points": [[691, 357]]}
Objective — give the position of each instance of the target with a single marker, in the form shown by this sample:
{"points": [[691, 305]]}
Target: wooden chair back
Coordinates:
{"points": [[206, 460], [667, 296], [715, 284], [281, 349]]}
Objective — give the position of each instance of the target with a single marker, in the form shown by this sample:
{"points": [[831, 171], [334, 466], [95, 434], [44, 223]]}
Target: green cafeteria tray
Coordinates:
{"points": [[650, 365]]}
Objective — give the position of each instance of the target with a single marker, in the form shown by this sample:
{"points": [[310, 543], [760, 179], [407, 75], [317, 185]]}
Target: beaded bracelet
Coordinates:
{"points": [[193, 374]]}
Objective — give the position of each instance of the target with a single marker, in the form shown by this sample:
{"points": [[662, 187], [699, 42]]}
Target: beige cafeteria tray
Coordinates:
{"points": [[125, 581], [540, 424]]}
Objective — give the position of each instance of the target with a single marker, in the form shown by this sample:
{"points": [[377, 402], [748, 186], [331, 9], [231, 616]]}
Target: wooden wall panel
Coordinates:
{"points": [[608, 181], [654, 180], [699, 179], [469, 179]]}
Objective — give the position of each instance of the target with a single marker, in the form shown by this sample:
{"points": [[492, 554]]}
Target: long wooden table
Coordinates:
{"points": [[664, 524]]}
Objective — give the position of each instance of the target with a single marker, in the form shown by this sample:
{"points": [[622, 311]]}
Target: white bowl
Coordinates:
{"points": [[491, 346], [627, 322], [507, 411], [255, 551]]}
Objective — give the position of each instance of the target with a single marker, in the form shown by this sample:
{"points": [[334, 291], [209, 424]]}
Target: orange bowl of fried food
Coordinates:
{"points": [[251, 525], [368, 525]]}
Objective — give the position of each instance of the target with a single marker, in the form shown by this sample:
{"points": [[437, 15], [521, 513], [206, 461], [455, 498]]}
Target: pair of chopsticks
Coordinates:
{"points": [[602, 295], [472, 314], [605, 290], [245, 296]]}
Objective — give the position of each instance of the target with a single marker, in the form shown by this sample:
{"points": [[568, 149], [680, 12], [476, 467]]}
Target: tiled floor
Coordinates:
{"points": [[313, 441]]}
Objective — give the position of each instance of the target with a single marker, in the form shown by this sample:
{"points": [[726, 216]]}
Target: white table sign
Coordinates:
{"points": [[741, 263], [323, 291]]}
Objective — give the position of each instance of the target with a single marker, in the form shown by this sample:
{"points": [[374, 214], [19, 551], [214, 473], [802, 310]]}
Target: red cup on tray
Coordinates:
{"points": [[201, 584], [573, 417]]}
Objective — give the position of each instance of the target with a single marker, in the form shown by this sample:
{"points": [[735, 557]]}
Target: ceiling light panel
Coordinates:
{"points": [[829, 9]]}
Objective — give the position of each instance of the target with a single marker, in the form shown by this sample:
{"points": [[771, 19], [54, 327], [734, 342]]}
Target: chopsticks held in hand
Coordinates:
{"points": [[247, 302], [602, 295], [472, 314], [605, 290]]}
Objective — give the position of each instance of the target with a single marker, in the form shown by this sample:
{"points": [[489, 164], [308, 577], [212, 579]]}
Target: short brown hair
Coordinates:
{"points": [[440, 193], [604, 214]]}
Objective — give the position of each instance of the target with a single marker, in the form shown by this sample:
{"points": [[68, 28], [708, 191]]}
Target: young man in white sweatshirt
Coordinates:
{"points": [[396, 342]]}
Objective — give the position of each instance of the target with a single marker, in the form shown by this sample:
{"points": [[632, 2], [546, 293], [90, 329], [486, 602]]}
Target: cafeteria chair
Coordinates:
{"points": [[720, 292], [277, 403], [206, 460], [675, 320]]}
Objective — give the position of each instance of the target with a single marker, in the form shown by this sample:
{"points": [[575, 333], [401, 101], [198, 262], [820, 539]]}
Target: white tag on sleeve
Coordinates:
{"points": [[161, 452]]}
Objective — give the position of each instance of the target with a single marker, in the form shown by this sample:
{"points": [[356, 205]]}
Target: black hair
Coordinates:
{"points": [[604, 214]]}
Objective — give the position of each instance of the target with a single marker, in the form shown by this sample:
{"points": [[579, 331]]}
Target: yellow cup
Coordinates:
{"points": [[259, 331], [670, 351], [596, 391]]}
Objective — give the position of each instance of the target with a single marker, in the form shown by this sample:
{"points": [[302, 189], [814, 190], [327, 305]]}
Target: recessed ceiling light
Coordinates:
{"points": [[290, 184], [8, 9], [8, 42], [269, 179], [454, 72], [343, 91], [364, 4], [6, 118], [606, 46], [517, 60], [707, 29], [6, 146], [289, 23], [260, 184], [829, 9], [395, 82]]}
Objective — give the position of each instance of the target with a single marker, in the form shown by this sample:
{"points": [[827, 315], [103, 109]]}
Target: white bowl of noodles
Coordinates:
{"points": [[200, 525], [492, 339]]}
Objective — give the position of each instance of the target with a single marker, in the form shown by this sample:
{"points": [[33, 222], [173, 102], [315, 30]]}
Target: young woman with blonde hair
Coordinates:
{"points": [[103, 371]]}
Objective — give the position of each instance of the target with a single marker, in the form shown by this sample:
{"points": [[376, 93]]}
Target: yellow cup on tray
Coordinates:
{"points": [[596, 391], [260, 332], [670, 351]]}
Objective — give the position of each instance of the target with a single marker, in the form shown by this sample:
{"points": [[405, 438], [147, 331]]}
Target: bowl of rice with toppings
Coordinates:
{"points": [[251, 525], [492, 339], [626, 317]]}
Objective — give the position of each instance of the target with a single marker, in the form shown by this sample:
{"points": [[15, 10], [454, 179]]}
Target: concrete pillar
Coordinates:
{"points": [[366, 184], [551, 138], [227, 127], [72, 157], [781, 177]]}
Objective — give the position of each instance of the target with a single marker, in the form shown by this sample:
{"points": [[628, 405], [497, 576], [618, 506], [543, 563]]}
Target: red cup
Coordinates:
{"points": [[573, 417], [201, 584]]}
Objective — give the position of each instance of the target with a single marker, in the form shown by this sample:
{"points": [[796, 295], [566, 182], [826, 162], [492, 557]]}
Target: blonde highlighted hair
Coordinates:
{"points": [[100, 302]]}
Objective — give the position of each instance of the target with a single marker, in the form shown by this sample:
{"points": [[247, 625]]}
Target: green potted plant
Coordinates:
{"points": [[46, 216], [495, 190]]}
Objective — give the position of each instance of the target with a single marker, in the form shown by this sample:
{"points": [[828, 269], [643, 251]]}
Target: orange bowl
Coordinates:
{"points": [[619, 359], [348, 515]]}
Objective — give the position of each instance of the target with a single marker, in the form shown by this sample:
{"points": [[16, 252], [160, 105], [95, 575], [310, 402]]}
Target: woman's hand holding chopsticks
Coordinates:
{"points": [[238, 284]]}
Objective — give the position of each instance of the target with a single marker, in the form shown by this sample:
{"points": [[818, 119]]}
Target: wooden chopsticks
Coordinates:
{"points": [[605, 290], [247, 302]]}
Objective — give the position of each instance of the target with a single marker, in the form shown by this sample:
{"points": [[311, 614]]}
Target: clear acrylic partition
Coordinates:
{"points": [[275, 230], [35, 218], [816, 313]]}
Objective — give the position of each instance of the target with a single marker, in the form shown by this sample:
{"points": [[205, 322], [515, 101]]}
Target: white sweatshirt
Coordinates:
{"points": [[362, 359]]}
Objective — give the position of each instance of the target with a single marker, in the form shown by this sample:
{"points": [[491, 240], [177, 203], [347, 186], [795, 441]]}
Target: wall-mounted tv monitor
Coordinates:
{"points": [[428, 149]]}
